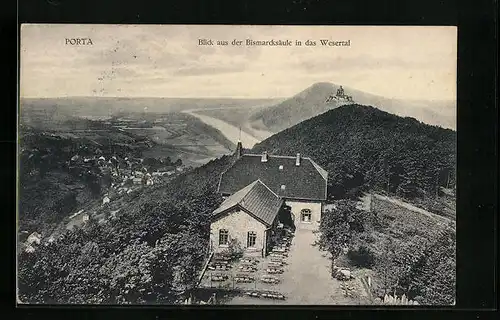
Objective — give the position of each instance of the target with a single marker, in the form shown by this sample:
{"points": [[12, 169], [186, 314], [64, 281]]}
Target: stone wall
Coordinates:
{"points": [[298, 206], [238, 223]]}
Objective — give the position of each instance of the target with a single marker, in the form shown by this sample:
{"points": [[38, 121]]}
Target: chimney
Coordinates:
{"points": [[297, 160], [281, 190], [239, 150], [264, 157]]}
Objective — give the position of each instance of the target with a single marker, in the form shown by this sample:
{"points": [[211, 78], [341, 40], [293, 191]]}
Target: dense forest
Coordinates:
{"points": [[364, 148], [152, 253]]}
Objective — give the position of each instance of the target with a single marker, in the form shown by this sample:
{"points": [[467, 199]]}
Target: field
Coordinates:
{"points": [[170, 134], [175, 134], [105, 107], [181, 136]]}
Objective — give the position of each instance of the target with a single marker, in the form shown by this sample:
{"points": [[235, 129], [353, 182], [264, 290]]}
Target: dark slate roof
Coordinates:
{"points": [[256, 199], [307, 181]]}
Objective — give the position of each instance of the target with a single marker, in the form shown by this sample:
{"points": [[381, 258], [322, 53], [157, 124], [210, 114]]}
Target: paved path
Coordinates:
{"points": [[413, 208]]}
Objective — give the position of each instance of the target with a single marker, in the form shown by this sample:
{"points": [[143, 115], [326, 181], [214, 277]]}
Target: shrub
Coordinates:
{"points": [[234, 249], [362, 257]]}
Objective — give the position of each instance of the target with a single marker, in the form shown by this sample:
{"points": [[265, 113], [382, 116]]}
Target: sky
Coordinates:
{"points": [[167, 61]]}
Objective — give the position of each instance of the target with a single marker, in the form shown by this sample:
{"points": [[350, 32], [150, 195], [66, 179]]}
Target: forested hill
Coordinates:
{"points": [[365, 148], [314, 101]]}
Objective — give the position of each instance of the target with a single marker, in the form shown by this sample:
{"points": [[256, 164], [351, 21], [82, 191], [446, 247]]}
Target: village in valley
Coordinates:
{"points": [[124, 176]]}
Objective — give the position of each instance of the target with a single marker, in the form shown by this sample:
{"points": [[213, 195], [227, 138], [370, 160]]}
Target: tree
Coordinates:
{"points": [[339, 226], [433, 279], [157, 245]]}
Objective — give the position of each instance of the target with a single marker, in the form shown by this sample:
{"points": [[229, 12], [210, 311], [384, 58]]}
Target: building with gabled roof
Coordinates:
{"points": [[248, 216], [301, 177], [259, 186], [256, 199]]}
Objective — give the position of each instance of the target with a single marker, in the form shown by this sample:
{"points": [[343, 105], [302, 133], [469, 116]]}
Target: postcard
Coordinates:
{"points": [[237, 165]]}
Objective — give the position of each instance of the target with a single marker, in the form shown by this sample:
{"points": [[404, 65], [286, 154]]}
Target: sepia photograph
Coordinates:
{"points": [[237, 165]]}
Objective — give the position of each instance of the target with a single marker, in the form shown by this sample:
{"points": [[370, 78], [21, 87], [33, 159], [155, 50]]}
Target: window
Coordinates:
{"points": [[252, 236], [223, 237], [305, 215]]}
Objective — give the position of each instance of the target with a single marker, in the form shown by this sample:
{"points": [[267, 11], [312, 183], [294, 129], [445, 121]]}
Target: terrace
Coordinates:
{"points": [[295, 272], [250, 276]]}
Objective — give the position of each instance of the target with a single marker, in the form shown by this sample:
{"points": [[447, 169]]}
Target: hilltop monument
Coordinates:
{"points": [[340, 96]]}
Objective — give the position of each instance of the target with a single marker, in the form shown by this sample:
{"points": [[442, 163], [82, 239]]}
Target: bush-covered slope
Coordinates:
{"points": [[362, 147], [404, 252]]}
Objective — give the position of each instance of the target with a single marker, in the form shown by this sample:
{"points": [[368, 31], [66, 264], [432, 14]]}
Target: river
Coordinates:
{"points": [[228, 130]]}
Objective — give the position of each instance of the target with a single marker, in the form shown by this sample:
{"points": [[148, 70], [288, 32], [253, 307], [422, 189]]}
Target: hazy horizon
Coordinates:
{"points": [[211, 98], [165, 61]]}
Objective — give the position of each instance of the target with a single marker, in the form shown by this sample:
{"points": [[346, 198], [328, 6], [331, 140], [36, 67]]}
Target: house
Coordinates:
{"points": [[138, 173], [250, 188], [249, 217], [137, 180], [29, 249], [106, 200], [300, 181], [35, 237]]}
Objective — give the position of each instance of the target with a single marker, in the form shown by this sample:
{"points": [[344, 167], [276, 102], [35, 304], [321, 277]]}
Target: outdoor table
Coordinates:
{"points": [[250, 261], [247, 269], [271, 280], [273, 295], [244, 279], [222, 267], [274, 271], [219, 278], [252, 294], [248, 264]]}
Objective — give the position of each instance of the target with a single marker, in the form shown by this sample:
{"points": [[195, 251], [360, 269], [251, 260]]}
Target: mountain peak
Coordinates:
{"points": [[321, 97], [317, 91], [322, 85]]}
